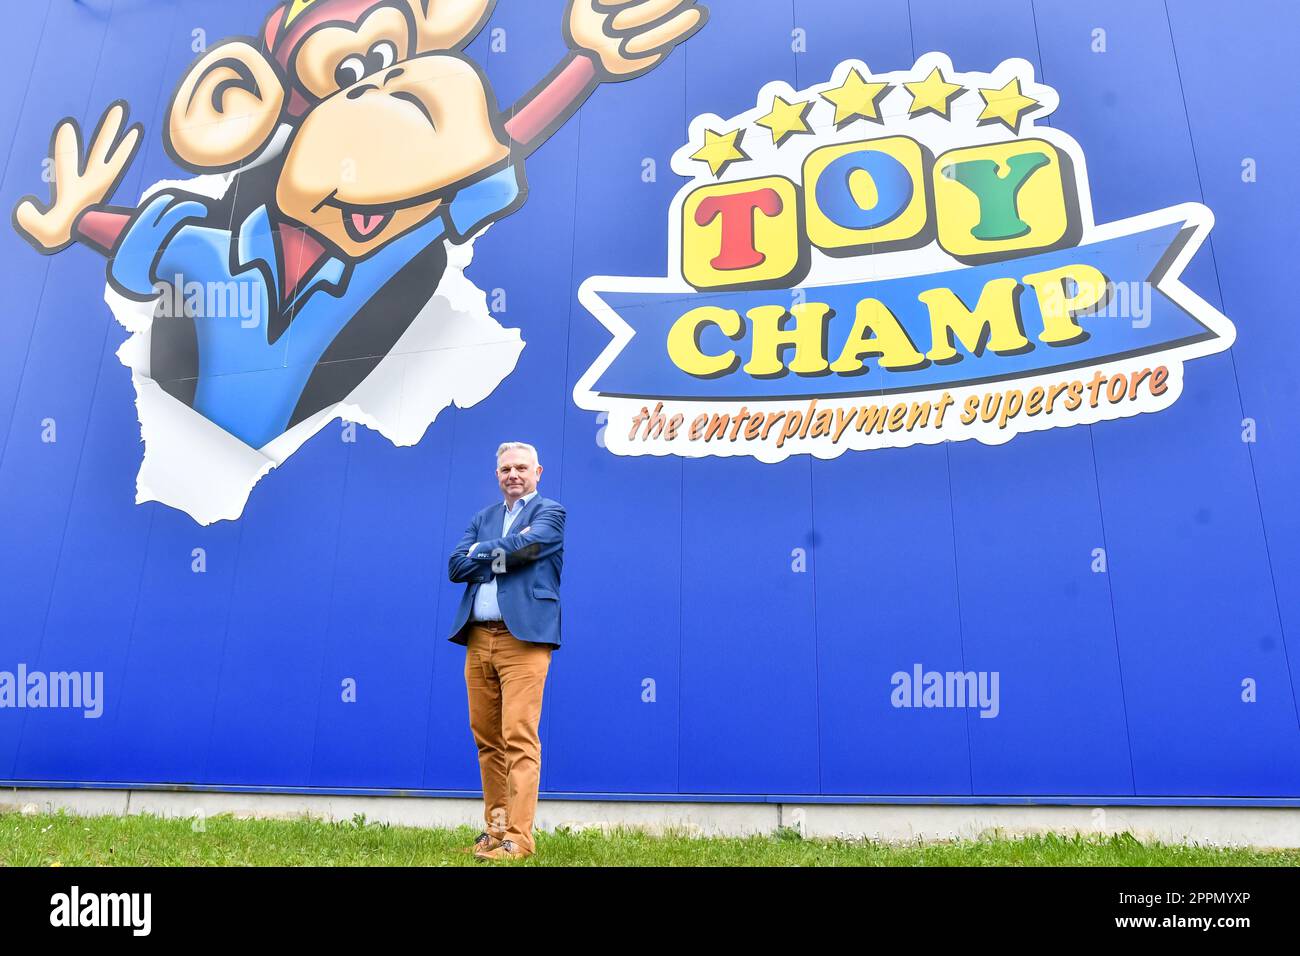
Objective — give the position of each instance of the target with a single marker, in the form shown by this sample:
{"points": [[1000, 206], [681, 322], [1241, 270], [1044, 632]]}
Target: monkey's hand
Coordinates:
{"points": [[632, 37], [81, 182]]}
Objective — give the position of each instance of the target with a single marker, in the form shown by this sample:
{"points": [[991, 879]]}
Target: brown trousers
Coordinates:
{"points": [[504, 678]]}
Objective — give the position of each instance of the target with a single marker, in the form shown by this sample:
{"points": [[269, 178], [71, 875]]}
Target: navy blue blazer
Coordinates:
{"points": [[528, 590]]}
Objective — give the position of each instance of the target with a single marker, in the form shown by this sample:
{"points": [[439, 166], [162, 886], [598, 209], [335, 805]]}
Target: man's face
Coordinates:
{"points": [[517, 473]]}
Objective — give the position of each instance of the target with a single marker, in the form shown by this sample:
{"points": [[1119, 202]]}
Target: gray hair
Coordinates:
{"points": [[506, 446]]}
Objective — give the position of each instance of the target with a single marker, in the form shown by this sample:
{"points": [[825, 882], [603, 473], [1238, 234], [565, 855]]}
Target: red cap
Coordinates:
{"points": [[293, 20]]}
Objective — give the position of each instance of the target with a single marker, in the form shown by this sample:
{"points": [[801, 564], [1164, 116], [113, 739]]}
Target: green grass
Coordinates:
{"points": [[65, 840]]}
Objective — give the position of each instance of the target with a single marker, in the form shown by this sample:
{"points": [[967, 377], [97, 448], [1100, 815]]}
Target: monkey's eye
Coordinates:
{"points": [[350, 71], [357, 67], [381, 56]]}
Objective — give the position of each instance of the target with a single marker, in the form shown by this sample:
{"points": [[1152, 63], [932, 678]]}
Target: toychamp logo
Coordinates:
{"points": [[884, 260]]}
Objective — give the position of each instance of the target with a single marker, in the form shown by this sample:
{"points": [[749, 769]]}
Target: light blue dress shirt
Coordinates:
{"points": [[485, 600]]}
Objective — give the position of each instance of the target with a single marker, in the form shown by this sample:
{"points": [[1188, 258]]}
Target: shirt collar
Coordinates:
{"points": [[522, 501], [255, 246]]}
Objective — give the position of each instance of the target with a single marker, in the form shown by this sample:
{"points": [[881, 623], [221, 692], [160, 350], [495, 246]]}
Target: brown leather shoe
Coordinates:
{"points": [[482, 843], [507, 850]]}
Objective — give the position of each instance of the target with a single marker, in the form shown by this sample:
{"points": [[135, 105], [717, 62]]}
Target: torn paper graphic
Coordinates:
{"points": [[453, 351], [314, 269]]}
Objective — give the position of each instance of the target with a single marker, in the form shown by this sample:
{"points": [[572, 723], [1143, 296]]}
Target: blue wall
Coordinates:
{"points": [[1116, 686]]}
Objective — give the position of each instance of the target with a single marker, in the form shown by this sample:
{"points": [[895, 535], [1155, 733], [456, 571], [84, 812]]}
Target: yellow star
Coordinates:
{"points": [[1006, 105], [786, 119], [720, 150], [856, 97], [933, 94]]}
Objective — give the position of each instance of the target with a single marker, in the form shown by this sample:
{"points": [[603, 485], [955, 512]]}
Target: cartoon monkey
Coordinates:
{"points": [[395, 145]]}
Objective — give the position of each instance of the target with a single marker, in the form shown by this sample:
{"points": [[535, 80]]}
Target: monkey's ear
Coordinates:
{"points": [[448, 24], [225, 110]]}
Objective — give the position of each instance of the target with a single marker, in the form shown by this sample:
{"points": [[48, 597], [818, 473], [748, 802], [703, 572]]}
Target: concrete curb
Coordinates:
{"points": [[1258, 827]]}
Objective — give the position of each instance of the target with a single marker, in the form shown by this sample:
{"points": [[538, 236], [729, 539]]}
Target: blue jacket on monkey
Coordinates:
{"points": [[395, 146]]}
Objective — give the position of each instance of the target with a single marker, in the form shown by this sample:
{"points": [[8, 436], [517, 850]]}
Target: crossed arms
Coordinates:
{"points": [[543, 538]]}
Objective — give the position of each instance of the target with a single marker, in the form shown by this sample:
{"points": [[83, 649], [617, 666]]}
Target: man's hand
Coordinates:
{"points": [[631, 37], [80, 183]]}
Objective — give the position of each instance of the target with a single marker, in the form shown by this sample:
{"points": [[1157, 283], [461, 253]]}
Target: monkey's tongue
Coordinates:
{"points": [[366, 225]]}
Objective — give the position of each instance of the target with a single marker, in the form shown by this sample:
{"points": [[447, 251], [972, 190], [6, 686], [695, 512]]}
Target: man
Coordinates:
{"points": [[509, 622]]}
